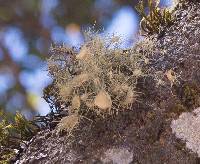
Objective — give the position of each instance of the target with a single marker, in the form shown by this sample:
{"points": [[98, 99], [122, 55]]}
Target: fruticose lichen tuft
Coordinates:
{"points": [[100, 78]]}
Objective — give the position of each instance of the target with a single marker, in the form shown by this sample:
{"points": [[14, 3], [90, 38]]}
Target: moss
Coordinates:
{"points": [[6, 156], [178, 109], [157, 18], [190, 95], [187, 99], [13, 130], [151, 115]]}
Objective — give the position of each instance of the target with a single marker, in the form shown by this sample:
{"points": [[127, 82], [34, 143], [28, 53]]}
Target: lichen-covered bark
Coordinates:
{"points": [[142, 134]]}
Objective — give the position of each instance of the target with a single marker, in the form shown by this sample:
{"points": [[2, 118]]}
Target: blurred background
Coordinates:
{"points": [[29, 27]]}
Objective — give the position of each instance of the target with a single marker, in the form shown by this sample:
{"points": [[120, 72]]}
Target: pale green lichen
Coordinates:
{"points": [[100, 78]]}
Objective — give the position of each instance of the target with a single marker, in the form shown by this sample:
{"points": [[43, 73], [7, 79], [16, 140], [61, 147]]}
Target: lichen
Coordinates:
{"points": [[186, 127], [100, 78]]}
